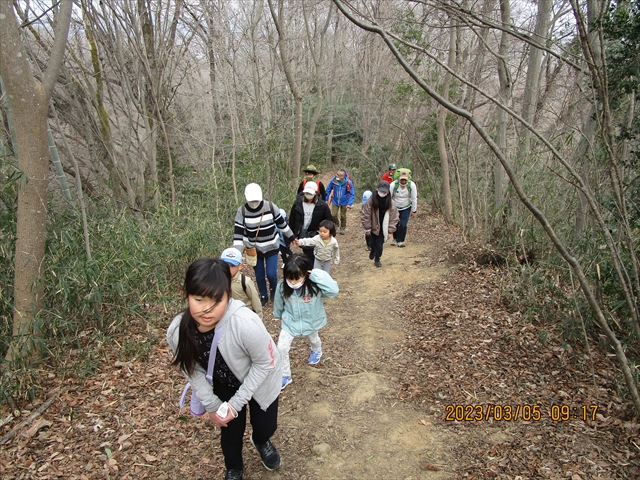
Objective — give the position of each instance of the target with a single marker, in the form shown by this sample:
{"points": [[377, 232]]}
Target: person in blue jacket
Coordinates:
{"points": [[340, 196], [298, 305]]}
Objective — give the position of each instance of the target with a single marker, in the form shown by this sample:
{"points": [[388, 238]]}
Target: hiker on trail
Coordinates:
{"points": [[255, 232], [230, 361], [388, 175], [325, 246], [298, 305], [379, 217], [340, 196], [242, 287], [405, 193], [308, 210], [311, 175]]}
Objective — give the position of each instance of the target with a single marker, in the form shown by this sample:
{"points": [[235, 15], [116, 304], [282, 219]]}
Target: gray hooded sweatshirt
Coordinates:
{"points": [[250, 353]]}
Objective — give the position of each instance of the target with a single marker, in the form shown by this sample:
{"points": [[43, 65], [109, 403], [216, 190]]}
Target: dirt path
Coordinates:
{"points": [[343, 418], [427, 330]]}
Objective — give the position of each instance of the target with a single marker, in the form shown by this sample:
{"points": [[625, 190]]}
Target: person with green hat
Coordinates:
{"points": [[311, 175], [388, 176]]}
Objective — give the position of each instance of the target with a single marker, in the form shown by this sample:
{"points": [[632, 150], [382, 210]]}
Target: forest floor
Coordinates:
{"points": [[408, 346]]}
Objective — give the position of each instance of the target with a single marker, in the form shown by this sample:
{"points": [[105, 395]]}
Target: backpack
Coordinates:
{"points": [[243, 281], [347, 178], [317, 183], [397, 175]]}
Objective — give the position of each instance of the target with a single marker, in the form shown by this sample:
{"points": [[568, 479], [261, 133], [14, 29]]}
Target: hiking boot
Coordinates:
{"points": [[371, 254], [273, 294], [400, 244], [393, 243], [264, 300], [286, 381], [234, 474], [341, 230], [315, 357], [377, 263], [269, 455]]}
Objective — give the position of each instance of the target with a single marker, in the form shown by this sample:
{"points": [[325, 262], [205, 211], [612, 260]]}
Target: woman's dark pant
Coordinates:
{"points": [[401, 231], [376, 242], [264, 426], [271, 273]]}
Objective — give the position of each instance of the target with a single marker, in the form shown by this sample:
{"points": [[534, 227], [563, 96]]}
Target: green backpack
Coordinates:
{"points": [[397, 175]]}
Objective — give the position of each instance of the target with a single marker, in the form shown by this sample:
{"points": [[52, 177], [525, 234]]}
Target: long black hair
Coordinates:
{"points": [[296, 266], [379, 203], [206, 277]]}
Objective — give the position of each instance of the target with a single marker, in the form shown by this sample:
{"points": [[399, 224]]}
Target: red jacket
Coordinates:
{"points": [[387, 177]]}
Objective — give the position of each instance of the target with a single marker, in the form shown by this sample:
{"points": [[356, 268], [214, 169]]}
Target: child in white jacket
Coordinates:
{"points": [[325, 246]]}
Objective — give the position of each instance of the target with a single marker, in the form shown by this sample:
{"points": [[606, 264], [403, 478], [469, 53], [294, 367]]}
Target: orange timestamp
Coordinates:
{"points": [[527, 413]]}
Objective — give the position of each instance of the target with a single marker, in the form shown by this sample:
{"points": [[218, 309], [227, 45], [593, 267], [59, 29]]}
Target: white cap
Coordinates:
{"points": [[253, 193], [232, 256], [310, 187]]}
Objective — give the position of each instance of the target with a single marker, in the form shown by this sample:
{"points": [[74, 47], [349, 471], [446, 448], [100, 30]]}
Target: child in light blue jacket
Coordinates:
{"points": [[298, 305]]}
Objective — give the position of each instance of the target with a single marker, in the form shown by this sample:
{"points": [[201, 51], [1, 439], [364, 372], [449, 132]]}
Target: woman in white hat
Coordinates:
{"points": [[255, 230]]}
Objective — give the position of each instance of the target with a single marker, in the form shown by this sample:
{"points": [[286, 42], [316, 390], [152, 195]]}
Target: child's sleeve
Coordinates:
{"points": [[278, 301], [327, 285], [306, 242]]}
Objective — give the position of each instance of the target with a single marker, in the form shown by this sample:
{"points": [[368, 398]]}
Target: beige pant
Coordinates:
{"points": [[342, 211]]}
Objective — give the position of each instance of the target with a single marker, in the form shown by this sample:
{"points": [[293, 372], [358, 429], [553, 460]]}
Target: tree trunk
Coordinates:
{"points": [[33, 160], [504, 78], [442, 145], [293, 85]]}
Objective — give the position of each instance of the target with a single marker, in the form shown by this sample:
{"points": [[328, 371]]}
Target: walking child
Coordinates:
{"points": [[325, 246], [246, 369], [298, 305], [242, 287]]}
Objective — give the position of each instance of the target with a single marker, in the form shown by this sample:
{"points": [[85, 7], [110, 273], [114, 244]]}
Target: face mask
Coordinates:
{"points": [[309, 196], [253, 204], [296, 286], [382, 194]]}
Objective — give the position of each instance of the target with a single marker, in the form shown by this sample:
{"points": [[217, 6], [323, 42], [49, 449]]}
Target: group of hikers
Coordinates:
{"points": [[219, 341]]}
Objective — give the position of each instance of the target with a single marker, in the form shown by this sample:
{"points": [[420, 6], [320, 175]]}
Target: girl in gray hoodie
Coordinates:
{"points": [[246, 370]]}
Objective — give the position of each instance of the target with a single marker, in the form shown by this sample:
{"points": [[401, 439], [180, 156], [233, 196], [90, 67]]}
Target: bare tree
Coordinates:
{"points": [[278, 13], [33, 160], [625, 275]]}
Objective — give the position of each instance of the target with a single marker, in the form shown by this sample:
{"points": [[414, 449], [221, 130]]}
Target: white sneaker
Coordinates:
{"points": [[401, 244], [393, 242]]}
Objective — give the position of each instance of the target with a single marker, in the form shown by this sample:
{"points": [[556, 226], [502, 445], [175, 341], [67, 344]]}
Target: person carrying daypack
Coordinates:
{"points": [[254, 232], [311, 175], [340, 196], [242, 287], [405, 194]]}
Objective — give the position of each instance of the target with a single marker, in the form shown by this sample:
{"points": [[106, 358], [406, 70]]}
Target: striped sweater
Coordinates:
{"points": [[267, 241]]}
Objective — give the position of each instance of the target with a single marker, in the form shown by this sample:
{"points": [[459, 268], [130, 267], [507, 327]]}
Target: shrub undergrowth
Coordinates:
{"points": [[137, 263]]}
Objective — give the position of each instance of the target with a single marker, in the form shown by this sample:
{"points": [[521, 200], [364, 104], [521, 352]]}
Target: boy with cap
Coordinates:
{"points": [[242, 287], [311, 175], [388, 176]]}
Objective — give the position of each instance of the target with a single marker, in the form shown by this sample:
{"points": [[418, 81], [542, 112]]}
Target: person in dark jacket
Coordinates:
{"points": [[307, 212], [379, 217]]}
